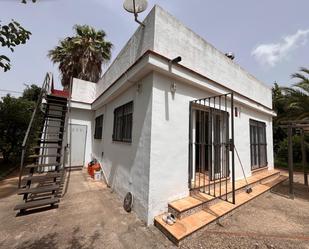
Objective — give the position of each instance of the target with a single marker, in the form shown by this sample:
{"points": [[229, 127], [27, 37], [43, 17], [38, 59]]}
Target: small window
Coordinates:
{"points": [[258, 145], [123, 117], [98, 127]]}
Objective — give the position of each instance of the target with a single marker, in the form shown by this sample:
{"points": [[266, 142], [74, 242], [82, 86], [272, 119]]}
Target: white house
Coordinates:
{"points": [[150, 122]]}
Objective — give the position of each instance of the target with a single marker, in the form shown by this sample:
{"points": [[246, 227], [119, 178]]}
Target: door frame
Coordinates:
{"points": [[215, 105], [70, 140]]}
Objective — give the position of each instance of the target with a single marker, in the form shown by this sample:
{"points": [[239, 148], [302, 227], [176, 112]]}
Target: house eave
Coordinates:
{"points": [[152, 61]]}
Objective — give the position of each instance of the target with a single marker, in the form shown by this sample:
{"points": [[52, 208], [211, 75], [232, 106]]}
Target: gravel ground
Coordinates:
{"points": [[270, 221], [91, 216]]}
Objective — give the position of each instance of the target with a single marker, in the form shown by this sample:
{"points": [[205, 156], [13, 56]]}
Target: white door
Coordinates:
{"points": [[78, 145]]}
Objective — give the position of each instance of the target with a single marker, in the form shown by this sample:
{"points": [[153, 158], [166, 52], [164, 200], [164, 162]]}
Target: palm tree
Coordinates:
{"points": [[298, 95], [82, 55]]}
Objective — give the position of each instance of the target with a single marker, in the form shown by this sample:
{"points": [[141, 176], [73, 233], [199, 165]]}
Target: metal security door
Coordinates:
{"points": [[211, 146], [78, 144]]}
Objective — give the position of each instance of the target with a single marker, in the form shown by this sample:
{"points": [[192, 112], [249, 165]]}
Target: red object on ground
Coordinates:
{"points": [[89, 167], [93, 168], [60, 93]]}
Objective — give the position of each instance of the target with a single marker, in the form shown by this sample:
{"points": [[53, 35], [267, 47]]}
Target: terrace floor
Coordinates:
{"points": [[91, 216]]}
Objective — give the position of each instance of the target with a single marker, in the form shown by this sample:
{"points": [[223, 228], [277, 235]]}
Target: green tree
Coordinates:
{"points": [[290, 103], [15, 115], [31, 93], [11, 35], [82, 55], [279, 103], [297, 96]]}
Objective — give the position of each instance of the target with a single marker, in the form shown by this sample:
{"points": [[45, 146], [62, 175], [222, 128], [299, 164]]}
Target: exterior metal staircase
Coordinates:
{"points": [[42, 169]]}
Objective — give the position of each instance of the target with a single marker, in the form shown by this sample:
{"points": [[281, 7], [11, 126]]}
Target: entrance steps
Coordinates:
{"points": [[197, 211]]}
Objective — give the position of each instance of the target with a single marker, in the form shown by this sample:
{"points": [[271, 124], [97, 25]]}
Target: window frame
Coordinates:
{"points": [[258, 144], [123, 123], [98, 127]]}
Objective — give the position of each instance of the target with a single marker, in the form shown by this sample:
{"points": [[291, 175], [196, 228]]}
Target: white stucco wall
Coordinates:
{"points": [[126, 165], [83, 91], [170, 140], [173, 39], [154, 167], [141, 41]]}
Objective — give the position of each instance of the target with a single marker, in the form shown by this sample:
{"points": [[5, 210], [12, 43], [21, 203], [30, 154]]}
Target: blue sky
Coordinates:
{"points": [[269, 38]]}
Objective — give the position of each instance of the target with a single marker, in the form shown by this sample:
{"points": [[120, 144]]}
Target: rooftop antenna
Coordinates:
{"points": [[135, 7]]}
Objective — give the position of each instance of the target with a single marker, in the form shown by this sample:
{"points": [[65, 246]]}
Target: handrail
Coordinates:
{"points": [[68, 134], [69, 120], [46, 88]]}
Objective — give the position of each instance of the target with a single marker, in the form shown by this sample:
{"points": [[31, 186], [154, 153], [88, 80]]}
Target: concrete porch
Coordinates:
{"points": [[199, 210]]}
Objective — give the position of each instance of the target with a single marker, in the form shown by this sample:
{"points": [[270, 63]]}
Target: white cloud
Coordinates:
{"points": [[273, 53]]}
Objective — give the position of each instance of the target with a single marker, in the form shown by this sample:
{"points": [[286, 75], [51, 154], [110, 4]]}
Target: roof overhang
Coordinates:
{"points": [[151, 61]]}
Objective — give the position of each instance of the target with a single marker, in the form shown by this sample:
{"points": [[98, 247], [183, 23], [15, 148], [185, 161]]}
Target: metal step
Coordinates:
{"points": [[58, 105], [52, 100], [55, 116], [55, 126], [55, 119], [56, 97], [50, 133], [40, 178], [39, 156], [47, 147], [36, 203], [37, 190], [49, 141], [55, 110], [43, 165]]}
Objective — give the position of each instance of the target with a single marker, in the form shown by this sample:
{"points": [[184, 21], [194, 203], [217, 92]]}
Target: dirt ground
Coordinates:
{"points": [[91, 216]]}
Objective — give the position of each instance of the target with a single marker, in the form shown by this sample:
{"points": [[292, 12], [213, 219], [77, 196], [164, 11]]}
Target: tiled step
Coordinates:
{"points": [[201, 184], [36, 203], [198, 200], [195, 222], [215, 186]]}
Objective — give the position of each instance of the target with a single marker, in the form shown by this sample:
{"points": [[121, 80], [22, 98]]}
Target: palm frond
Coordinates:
{"points": [[82, 55]]}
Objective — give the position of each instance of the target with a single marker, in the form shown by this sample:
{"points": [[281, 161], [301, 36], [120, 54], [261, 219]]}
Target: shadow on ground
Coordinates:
{"points": [[301, 191], [54, 241], [8, 186]]}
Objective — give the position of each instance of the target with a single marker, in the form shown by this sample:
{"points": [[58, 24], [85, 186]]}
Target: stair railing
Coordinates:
{"points": [[67, 148], [46, 89], [68, 128]]}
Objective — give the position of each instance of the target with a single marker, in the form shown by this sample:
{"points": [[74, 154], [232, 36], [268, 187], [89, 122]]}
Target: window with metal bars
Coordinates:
{"points": [[258, 144], [98, 127], [123, 117]]}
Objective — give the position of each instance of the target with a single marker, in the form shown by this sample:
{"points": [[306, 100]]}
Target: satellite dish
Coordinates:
{"points": [[135, 6]]}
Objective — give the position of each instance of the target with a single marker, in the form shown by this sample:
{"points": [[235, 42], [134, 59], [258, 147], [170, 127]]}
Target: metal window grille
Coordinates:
{"points": [[258, 144], [98, 127], [123, 119], [211, 146]]}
